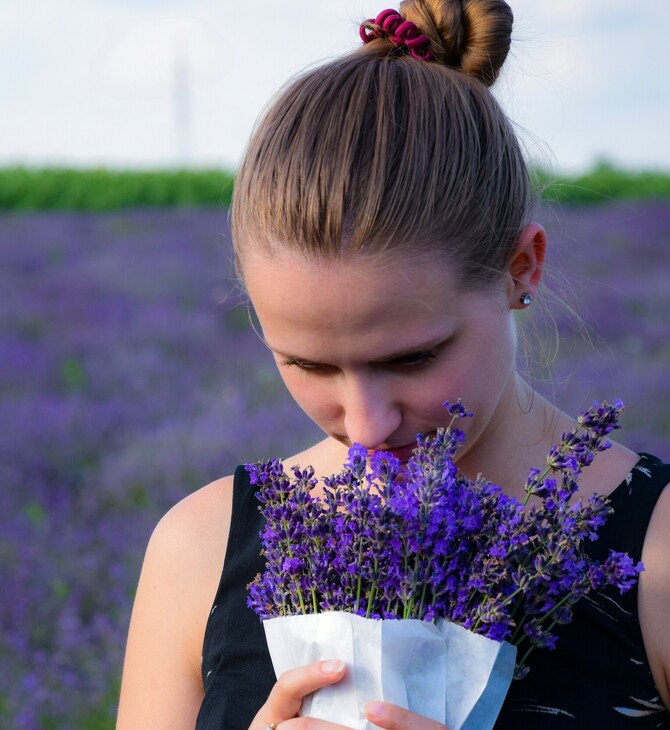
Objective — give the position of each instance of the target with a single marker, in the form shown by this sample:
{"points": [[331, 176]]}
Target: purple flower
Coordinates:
{"points": [[602, 419], [356, 460], [458, 410], [423, 541]]}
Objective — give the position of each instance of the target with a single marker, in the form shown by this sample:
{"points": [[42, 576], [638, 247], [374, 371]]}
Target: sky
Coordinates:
{"points": [[165, 83]]}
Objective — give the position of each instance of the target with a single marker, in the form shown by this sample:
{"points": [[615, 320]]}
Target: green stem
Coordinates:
{"points": [[544, 618], [373, 591], [423, 600], [300, 598]]}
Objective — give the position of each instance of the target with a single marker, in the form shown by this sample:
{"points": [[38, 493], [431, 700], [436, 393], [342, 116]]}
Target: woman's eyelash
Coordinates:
{"points": [[414, 360], [302, 364]]}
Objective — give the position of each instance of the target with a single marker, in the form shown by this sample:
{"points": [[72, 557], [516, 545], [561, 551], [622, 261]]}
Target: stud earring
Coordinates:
{"points": [[526, 298]]}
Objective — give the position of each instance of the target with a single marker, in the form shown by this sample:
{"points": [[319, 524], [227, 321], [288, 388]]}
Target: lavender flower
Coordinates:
{"points": [[423, 541]]}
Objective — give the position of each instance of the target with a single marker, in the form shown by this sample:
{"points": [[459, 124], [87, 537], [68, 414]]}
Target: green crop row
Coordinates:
{"points": [[603, 183], [54, 188]]}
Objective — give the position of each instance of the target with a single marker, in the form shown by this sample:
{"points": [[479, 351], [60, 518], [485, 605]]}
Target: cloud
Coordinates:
{"points": [[146, 53]]}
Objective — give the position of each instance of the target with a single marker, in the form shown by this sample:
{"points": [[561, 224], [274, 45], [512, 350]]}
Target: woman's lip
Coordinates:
{"points": [[400, 452]]}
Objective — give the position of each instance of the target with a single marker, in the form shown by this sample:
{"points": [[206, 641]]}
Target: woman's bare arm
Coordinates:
{"points": [[161, 685]]}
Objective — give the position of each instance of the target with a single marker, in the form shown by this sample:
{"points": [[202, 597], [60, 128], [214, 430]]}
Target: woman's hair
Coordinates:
{"points": [[378, 152]]}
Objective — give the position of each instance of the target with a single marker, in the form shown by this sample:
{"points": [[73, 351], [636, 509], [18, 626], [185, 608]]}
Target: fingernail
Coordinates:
{"points": [[333, 666], [375, 710]]}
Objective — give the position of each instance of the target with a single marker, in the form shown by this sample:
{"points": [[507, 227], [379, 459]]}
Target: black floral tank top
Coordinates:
{"points": [[597, 677]]}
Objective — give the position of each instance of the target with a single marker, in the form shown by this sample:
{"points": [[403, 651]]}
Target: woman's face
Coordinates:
{"points": [[371, 349]]}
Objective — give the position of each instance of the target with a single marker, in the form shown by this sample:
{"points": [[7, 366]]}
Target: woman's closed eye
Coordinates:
{"points": [[306, 365], [409, 362]]}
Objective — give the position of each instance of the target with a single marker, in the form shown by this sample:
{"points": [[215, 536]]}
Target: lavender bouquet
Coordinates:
{"points": [[478, 578]]}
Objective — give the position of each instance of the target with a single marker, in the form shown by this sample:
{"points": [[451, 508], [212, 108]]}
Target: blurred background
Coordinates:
{"points": [[129, 375]]}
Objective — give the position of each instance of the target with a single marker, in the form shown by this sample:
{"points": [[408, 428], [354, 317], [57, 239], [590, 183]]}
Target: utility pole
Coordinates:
{"points": [[182, 104]]}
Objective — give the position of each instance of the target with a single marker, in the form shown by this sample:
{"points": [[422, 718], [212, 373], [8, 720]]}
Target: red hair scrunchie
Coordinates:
{"points": [[390, 24]]}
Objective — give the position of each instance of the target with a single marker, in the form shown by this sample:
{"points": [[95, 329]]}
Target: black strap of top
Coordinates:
{"points": [[236, 668], [633, 502], [642, 488]]}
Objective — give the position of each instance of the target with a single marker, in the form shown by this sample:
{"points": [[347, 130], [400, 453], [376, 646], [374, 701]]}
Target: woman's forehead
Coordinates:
{"points": [[368, 308], [354, 264], [354, 279]]}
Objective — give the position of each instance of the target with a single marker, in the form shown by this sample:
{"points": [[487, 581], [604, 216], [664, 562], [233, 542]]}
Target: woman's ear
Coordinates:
{"points": [[526, 265]]}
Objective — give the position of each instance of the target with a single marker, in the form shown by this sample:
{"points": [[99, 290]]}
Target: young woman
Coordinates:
{"points": [[381, 226]]}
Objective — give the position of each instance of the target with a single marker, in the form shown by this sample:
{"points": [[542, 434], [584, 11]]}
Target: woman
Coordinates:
{"points": [[381, 227]]}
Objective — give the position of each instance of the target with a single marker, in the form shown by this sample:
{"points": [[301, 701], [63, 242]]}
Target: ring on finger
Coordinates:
{"points": [[272, 726]]}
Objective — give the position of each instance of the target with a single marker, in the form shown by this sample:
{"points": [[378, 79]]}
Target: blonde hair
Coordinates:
{"points": [[378, 152]]}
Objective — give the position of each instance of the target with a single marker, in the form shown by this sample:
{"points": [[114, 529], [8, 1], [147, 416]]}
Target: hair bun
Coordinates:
{"points": [[472, 36]]}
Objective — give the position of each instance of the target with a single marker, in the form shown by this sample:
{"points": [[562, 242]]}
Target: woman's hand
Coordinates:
{"points": [[287, 695], [285, 701], [392, 717]]}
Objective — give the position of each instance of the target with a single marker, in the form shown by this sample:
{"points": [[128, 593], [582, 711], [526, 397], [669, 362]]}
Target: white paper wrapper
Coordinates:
{"points": [[443, 672]]}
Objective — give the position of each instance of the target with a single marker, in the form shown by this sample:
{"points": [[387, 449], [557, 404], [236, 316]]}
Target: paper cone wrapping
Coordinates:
{"points": [[443, 672]]}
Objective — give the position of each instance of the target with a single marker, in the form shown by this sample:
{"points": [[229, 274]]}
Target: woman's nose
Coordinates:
{"points": [[371, 412]]}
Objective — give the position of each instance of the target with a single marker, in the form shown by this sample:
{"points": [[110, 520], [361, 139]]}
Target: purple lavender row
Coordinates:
{"points": [[129, 377]]}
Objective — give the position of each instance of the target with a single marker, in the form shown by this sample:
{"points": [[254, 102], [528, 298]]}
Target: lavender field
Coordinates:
{"points": [[129, 376]]}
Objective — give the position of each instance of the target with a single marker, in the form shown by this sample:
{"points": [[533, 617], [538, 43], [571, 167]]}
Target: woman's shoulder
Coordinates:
{"points": [[609, 469], [194, 532], [198, 520], [178, 581], [326, 456], [189, 542]]}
